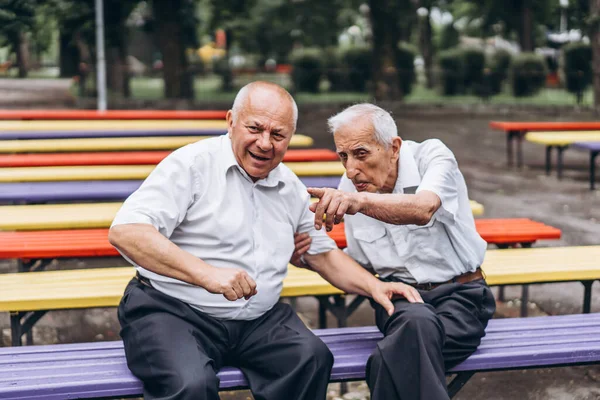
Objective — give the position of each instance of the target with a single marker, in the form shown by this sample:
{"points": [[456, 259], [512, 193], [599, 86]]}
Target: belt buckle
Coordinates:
{"points": [[427, 286]]}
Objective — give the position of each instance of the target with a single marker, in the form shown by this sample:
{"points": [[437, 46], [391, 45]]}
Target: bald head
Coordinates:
{"points": [[262, 91]]}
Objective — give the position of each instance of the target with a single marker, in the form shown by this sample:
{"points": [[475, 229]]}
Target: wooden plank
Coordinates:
{"points": [[112, 114], [545, 126], [124, 172], [115, 144], [562, 138], [101, 125]]}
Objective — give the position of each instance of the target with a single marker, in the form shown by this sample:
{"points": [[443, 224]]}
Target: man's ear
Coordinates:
{"points": [[396, 144], [229, 119]]}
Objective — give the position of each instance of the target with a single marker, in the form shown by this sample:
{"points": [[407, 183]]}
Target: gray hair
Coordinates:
{"points": [[384, 127], [242, 96]]}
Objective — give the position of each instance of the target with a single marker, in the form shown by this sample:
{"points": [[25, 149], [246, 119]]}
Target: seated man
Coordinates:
{"points": [[408, 219], [210, 233]]}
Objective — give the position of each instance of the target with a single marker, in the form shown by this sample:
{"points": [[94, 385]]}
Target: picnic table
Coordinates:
{"points": [[515, 131]]}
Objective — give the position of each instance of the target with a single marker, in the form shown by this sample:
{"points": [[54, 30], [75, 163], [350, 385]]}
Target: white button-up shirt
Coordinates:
{"points": [[447, 246], [205, 203]]}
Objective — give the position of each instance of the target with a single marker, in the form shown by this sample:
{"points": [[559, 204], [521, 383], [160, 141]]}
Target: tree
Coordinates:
{"points": [[174, 25], [386, 85], [594, 26], [16, 20]]}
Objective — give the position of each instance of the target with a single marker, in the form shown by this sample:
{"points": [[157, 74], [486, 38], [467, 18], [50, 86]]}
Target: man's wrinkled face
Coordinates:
{"points": [[371, 166], [261, 132]]}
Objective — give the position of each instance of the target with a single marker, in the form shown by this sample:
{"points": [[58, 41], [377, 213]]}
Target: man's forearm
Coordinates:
{"points": [[144, 245], [342, 272], [400, 209]]}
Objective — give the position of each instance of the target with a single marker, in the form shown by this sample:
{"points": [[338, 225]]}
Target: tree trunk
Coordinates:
{"points": [[526, 31], [178, 82], [68, 58], [115, 15], [595, 42], [425, 38], [386, 85], [21, 46]]}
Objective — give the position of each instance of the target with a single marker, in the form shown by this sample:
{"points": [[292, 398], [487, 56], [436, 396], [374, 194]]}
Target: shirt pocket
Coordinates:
{"points": [[377, 247]]}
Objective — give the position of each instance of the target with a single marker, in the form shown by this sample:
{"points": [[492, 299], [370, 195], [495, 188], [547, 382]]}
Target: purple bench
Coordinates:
{"points": [[41, 192], [25, 135], [93, 370], [594, 149]]}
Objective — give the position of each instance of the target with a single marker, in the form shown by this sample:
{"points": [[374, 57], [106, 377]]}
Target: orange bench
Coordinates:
{"points": [[133, 158], [517, 130], [33, 246], [111, 114]]}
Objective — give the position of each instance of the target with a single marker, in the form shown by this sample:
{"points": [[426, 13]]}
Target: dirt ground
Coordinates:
{"points": [[505, 192]]}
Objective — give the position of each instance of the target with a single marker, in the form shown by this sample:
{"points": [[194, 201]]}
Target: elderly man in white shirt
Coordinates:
{"points": [[408, 219], [210, 232]]}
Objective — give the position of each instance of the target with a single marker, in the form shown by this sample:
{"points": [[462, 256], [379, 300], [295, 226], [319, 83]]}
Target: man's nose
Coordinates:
{"points": [[264, 142], [351, 168]]}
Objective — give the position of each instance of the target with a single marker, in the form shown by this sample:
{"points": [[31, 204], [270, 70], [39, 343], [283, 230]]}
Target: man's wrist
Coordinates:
{"points": [[361, 202]]}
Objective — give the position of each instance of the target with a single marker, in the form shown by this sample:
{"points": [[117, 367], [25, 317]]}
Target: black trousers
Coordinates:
{"points": [[176, 350], [422, 341]]}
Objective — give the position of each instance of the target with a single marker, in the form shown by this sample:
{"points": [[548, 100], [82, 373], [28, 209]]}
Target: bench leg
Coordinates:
{"points": [[587, 296], [559, 160], [548, 159], [458, 382], [524, 299], [22, 323], [593, 156], [520, 136], [509, 147]]}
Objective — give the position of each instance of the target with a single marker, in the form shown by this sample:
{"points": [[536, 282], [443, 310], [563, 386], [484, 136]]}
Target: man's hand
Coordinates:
{"points": [[302, 243], [334, 204], [384, 292], [233, 283]]}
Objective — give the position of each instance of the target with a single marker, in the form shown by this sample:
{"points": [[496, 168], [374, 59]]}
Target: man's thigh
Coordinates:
{"points": [[464, 310], [168, 345], [278, 341]]}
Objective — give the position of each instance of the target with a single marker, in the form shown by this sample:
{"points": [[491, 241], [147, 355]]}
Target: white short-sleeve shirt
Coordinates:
{"points": [[205, 203], [447, 246]]}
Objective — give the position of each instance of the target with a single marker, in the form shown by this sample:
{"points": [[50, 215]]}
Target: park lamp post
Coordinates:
{"points": [[564, 4], [100, 58]]}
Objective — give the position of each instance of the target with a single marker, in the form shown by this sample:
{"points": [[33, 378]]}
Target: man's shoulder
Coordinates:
{"points": [[429, 149], [196, 152]]}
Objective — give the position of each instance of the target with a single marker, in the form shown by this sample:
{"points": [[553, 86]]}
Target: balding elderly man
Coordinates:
{"points": [[408, 219], [210, 232]]}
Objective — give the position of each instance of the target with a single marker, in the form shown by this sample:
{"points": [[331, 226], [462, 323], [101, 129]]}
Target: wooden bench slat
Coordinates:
{"points": [[134, 158], [99, 369], [112, 114], [562, 138], [544, 126], [114, 144], [107, 125]]}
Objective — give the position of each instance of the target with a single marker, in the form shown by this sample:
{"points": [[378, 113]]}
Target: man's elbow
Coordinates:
{"points": [[426, 213], [116, 235]]}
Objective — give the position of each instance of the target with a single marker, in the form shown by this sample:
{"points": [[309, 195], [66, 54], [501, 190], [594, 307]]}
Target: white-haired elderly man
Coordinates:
{"points": [[210, 232], [408, 219]]}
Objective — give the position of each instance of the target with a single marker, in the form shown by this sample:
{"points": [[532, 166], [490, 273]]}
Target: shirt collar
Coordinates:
{"points": [[228, 161], [408, 173]]}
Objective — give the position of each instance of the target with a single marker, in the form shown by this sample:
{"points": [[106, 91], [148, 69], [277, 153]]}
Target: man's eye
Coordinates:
{"points": [[252, 128]]}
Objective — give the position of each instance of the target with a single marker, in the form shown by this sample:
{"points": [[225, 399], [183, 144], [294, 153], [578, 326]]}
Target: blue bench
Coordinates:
{"points": [[594, 149], [94, 370], [42, 192]]}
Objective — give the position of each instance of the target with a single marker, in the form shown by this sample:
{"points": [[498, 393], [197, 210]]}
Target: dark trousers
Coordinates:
{"points": [[422, 341], [176, 351]]}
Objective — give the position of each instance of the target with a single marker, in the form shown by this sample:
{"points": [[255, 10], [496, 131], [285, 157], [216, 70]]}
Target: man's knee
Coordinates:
{"points": [[201, 386], [419, 319]]}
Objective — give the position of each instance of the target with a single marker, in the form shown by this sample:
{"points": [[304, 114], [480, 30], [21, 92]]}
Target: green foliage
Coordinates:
{"points": [[451, 64], [577, 68], [16, 16], [528, 73], [405, 64], [473, 64], [447, 37], [498, 66], [335, 71], [357, 61], [307, 67]]}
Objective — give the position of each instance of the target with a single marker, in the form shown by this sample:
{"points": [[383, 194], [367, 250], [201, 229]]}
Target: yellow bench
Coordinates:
{"points": [[560, 140], [121, 172], [107, 125], [115, 144], [27, 296], [75, 216]]}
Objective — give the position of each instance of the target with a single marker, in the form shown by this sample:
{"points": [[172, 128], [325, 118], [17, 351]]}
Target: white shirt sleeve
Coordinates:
{"points": [[164, 198], [321, 242], [440, 177]]}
